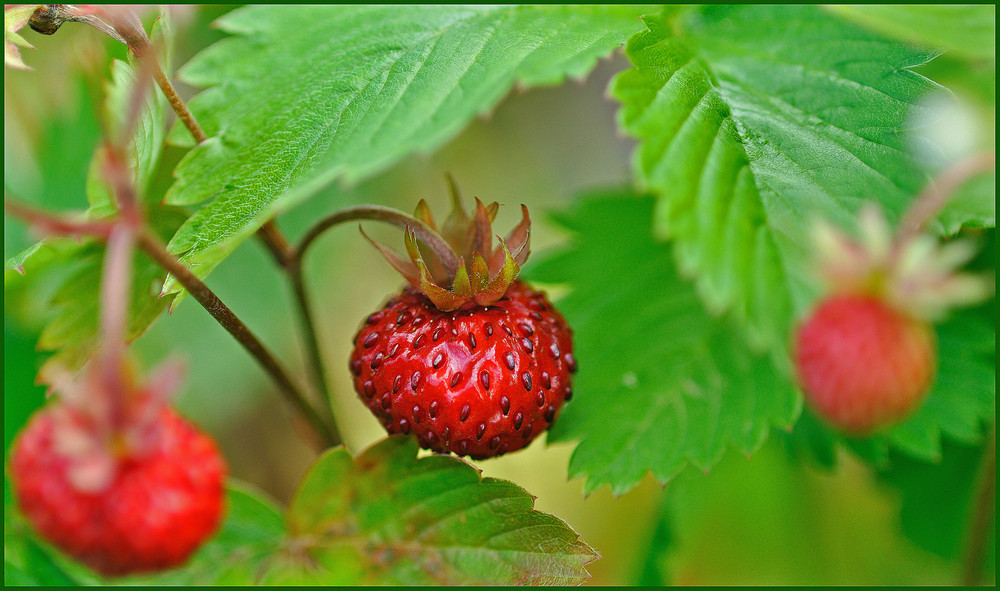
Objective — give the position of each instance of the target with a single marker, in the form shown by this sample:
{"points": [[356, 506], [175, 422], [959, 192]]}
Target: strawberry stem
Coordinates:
{"points": [[423, 232], [982, 519]]}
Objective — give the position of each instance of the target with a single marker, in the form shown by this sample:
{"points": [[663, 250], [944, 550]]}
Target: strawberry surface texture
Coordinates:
{"points": [[862, 364], [479, 381], [152, 514]]}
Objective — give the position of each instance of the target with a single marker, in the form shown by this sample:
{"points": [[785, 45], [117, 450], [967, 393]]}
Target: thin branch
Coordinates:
{"points": [[218, 310], [276, 243], [312, 339], [48, 223], [983, 516], [176, 103]]}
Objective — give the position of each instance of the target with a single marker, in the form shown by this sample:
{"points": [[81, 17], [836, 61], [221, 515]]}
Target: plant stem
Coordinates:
{"points": [[284, 255], [983, 516], [214, 306], [314, 353], [176, 103]]}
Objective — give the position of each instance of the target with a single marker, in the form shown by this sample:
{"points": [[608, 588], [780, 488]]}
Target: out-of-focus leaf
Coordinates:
{"points": [[72, 332], [937, 497], [661, 383], [301, 96], [968, 30], [753, 120]]}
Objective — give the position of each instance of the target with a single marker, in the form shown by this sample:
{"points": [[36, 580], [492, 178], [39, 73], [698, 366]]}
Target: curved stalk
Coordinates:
{"points": [[423, 232]]}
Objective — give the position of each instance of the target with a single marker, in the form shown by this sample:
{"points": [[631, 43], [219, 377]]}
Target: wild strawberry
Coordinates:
{"points": [[863, 364], [133, 490], [865, 357], [478, 370]]}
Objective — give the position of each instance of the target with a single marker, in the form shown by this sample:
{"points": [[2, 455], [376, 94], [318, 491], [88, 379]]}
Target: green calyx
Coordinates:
{"points": [[458, 264]]}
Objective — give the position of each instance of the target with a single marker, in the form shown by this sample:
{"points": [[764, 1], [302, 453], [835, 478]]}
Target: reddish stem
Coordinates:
{"points": [[937, 194]]}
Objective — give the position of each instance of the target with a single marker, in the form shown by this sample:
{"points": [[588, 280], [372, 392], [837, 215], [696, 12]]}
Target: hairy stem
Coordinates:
{"points": [[176, 103], [983, 516], [218, 310]]}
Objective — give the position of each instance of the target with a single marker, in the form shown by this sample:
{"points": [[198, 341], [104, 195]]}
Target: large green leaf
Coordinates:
{"points": [[302, 95], [388, 518], [754, 120], [661, 382]]}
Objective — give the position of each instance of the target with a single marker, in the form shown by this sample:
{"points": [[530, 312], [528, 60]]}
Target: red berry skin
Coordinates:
{"points": [[478, 381], [863, 365], [156, 511]]}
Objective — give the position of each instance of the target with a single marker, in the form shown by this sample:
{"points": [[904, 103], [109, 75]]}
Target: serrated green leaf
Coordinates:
{"points": [[753, 120], [305, 95], [389, 518], [969, 31], [661, 383]]}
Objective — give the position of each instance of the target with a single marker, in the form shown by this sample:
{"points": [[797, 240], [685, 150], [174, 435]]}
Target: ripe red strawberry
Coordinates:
{"points": [[113, 476], [862, 364], [478, 370], [155, 510]]}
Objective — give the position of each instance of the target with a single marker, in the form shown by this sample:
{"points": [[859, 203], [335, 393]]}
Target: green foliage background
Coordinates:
{"points": [[806, 508]]}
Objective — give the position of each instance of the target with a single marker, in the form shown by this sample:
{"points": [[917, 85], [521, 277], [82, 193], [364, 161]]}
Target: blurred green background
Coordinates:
{"points": [[769, 519]]}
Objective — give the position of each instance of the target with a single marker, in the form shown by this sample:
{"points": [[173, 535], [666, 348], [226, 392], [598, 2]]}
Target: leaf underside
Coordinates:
{"points": [[303, 95], [662, 383]]}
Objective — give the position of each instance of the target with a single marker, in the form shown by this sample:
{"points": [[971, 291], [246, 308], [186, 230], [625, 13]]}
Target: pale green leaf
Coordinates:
{"points": [[968, 30], [303, 95], [753, 121], [387, 517], [149, 134], [662, 383], [73, 310]]}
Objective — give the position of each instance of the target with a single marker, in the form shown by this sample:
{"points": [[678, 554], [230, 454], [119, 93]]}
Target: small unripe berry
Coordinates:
{"points": [[862, 364]]}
